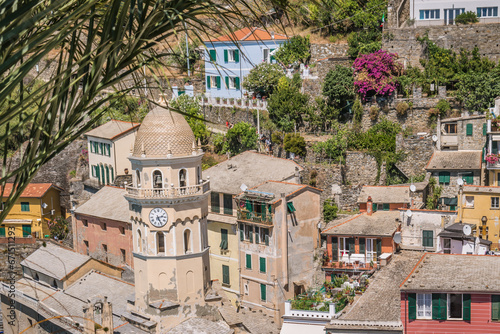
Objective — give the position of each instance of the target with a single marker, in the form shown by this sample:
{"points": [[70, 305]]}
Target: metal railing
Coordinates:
{"points": [[255, 217], [239, 103], [172, 192]]}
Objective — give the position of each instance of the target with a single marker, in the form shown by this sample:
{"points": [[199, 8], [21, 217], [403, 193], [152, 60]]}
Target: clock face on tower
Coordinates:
{"points": [[158, 217]]}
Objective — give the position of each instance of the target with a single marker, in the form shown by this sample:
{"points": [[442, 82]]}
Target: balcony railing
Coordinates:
{"points": [[353, 262], [255, 217], [172, 192]]}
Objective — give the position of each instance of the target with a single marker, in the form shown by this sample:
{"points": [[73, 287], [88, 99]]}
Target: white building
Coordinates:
{"points": [[108, 148], [453, 240], [442, 12]]}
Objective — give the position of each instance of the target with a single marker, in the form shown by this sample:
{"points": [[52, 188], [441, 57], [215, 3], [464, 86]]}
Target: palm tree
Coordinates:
{"points": [[100, 51]]}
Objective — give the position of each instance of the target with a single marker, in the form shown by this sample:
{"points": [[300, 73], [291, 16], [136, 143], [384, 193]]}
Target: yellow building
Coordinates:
{"points": [[480, 205], [39, 203]]}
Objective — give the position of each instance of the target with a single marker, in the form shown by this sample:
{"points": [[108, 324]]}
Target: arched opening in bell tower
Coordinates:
{"points": [[157, 179], [160, 243], [139, 241], [137, 178], [182, 178], [187, 241]]}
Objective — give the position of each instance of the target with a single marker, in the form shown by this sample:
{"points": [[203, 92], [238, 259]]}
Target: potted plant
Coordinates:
{"points": [[491, 158], [238, 102], [254, 102], [217, 99], [495, 124], [231, 101]]}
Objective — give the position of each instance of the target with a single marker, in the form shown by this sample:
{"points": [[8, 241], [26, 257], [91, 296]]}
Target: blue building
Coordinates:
{"points": [[226, 64]]}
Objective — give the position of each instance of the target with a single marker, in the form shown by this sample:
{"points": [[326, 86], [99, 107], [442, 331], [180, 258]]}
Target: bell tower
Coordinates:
{"points": [[168, 204]]}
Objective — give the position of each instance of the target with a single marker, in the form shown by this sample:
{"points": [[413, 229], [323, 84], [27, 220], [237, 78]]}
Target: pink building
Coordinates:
{"points": [[101, 227], [450, 293]]}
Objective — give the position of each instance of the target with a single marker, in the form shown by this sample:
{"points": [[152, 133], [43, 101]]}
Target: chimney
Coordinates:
{"points": [[297, 175], [369, 206]]}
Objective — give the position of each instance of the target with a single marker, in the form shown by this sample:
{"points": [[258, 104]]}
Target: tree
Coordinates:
{"points": [[295, 144], [241, 137], [338, 86], [263, 78], [296, 49], [364, 42], [96, 45], [477, 92], [190, 107], [330, 210], [287, 105]]}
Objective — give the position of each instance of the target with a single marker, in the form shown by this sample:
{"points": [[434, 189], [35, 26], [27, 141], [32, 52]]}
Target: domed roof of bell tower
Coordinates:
{"points": [[163, 132]]}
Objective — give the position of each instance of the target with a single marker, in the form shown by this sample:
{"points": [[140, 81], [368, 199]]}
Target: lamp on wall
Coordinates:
{"points": [[484, 219]]}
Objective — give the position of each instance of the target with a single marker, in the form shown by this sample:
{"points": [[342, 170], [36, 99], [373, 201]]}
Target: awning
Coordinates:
{"points": [[293, 328], [449, 201]]}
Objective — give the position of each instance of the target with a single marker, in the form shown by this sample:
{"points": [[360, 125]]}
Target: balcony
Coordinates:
{"points": [[255, 217], [172, 192]]}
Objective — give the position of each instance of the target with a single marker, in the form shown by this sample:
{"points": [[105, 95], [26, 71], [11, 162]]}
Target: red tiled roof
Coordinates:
{"points": [[32, 190], [249, 34]]}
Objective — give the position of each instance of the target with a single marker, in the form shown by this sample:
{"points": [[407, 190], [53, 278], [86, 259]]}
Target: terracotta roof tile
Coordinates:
{"points": [[249, 34], [32, 190]]}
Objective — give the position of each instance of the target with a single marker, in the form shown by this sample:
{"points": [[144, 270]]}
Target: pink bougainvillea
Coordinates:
{"points": [[376, 74]]}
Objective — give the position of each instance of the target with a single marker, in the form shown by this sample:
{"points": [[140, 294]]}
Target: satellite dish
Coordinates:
{"points": [[409, 213], [44, 205], [413, 188], [434, 138], [460, 182], [397, 237], [467, 230], [243, 187]]}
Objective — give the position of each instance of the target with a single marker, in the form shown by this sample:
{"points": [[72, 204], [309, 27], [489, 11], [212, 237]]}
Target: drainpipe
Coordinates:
{"points": [[284, 241]]}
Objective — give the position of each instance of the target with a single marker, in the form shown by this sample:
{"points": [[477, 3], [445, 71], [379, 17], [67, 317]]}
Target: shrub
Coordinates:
{"points": [[402, 108], [241, 137], [330, 210], [374, 111], [338, 86], [295, 144], [443, 106], [218, 142], [293, 50], [263, 78], [357, 110], [287, 105], [190, 107], [466, 18], [277, 138]]}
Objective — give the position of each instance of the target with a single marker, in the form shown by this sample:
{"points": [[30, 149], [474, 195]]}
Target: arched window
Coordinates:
{"points": [[160, 243], [112, 174], [182, 178], [107, 175], [103, 177], [198, 176], [157, 179], [187, 241], [139, 241], [138, 178]]}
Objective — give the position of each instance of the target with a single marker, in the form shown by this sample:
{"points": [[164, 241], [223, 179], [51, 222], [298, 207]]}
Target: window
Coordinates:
{"points": [[371, 251], [104, 227], [386, 207], [343, 247], [248, 261], [429, 14], [228, 204], [249, 233], [447, 246], [264, 235], [223, 239], [424, 306], [26, 231], [139, 241], [225, 275], [262, 264], [215, 202], [232, 56], [187, 241], [124, 255], [245, 288], [212, 55], [122, 230], [160, 242], [263, 292], [25, 206], [487, 11], [105, 249], [2, 231], [454, 306], [86, 243], [265, 55], [450, 128], [242, 232], [213, 81], [85, 222], [444, 178], [468, 130], [468, 178], [428, 238], [495, 202], [469, 201], [495, 307], [182, 178]]}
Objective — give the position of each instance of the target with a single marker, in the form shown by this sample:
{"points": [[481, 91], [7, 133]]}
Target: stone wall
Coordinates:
{"points": [[477, 140], [418, 151], [451, 190], [219, 115], [404, 41], [361, 168], [20, 252]]}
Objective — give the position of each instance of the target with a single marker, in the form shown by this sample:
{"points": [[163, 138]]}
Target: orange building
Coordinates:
{"points": [[388, 198], [360, 243]]}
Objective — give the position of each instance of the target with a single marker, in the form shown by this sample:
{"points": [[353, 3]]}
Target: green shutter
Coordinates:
{"points": [[26, 230], [223, 238], [225, 56], [263, 292], [213, 55], [270, 208], [236, 56], [495, 307], [412, 306], [444, 177], [335, 249], [91, 146], [250, 233], [468, 178], [225, 274], [215, 202], [469, 130], [263, 211], [350, 243], [379, 248], [2, 231], [439, 301], [257, 235], [25, 206], [272, 57], [386, 206], [494, 147], [249, 261], [290, 207], [428, 238], [466, 306], [374, 207], [262, 264], [362, 245], [217, 79], [242, 233], [208, 82], [248, 205], [485, 129], [227, 82], [228, 204], [237, 82]]}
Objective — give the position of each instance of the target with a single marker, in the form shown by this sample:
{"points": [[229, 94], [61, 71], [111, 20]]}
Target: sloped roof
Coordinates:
{"points": [[251, 169], [34, 190], [201, 326], [249, 34], [455, 160], [55, 261], [379, 224], [112, 129], [109, 203], [455, 272], [385, 194]]}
